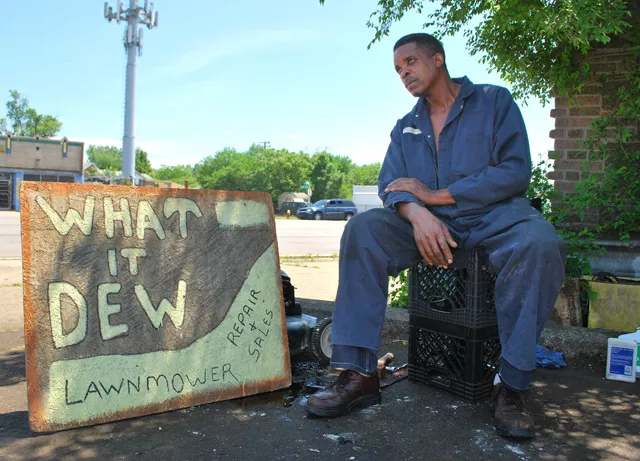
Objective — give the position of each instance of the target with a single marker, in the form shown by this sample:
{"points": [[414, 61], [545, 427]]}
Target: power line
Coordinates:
{"points": [[265, 144], [133, 46]]}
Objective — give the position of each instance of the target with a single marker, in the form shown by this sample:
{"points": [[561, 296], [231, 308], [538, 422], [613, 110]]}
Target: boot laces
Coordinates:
{"points": [[513, 398], [344, 378]]}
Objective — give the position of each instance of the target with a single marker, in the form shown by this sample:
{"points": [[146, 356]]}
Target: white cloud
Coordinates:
{"points": [[199, 58]]}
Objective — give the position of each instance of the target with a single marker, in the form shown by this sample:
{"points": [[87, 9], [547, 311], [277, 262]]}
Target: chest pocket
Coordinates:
{"points": [[419, 159], [472, 153]]}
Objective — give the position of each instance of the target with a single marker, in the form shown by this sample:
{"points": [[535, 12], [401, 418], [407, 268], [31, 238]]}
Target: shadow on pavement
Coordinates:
{"points": [[589, 417], [580, 416], [152, 437], [315, 306], [12, 368]]}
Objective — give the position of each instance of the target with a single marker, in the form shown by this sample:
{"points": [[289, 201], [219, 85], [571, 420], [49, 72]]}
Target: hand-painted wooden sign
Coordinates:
{"points": [[140, 300]]}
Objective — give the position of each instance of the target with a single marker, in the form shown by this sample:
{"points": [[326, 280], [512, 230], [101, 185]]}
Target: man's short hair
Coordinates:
{"points": [[426, 41]]}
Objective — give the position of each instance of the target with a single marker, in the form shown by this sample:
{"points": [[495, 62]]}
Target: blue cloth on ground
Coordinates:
{"points": [[548, 359]]}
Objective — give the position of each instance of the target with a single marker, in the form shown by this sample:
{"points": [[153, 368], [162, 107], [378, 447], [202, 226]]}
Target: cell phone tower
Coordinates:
{"points": [[133, 46]]}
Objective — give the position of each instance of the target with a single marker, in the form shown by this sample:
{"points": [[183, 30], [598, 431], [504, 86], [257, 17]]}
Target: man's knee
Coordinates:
{"points": [[368, 221], [539, 238]]}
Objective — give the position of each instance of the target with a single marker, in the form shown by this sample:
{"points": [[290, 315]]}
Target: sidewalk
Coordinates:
{"points": [[12, 320], [580, 415], [313, 279]]}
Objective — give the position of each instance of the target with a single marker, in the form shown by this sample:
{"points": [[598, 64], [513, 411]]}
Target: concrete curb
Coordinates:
{"points": [[579, 345]]}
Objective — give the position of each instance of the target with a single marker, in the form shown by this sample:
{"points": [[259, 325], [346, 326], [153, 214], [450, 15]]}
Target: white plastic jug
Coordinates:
{"points": [[633, 337], [621, 358]]}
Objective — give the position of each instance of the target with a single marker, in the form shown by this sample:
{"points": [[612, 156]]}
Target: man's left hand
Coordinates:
{"points": [[411, 185], [421, 192]]}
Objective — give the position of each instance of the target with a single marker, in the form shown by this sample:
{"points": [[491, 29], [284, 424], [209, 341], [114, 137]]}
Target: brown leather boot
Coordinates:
{"points": [[351, 390], [511, 417]]}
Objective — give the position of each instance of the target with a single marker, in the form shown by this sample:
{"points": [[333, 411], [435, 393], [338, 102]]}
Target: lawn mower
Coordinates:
{"points": [[305, 332]]}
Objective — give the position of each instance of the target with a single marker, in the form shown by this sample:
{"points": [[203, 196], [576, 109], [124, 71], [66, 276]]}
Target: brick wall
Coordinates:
{"points": [[574, 115]]}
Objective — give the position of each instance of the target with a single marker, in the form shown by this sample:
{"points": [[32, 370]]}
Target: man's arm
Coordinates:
{"points": [[427, 196], [511, 176], [431, 235]]}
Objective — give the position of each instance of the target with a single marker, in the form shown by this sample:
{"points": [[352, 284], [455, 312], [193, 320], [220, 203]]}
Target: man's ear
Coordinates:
{"points": [[439, 59]]}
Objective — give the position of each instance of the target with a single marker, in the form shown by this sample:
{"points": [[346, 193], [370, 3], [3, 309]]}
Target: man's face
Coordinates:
{"points": [[416, 67]]}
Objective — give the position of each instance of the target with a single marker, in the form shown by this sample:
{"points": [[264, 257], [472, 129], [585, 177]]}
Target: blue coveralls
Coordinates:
{"points": [[484, 161]]}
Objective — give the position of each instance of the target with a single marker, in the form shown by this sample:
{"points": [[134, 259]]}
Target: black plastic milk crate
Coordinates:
{"points": [[455, 358], [464, 294]]}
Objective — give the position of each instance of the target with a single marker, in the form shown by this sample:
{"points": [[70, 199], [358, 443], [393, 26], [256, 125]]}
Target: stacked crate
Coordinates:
{"points": [[453, 340]]}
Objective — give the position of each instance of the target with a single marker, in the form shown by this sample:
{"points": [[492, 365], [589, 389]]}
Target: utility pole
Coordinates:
{"points": [[265, 144], [133, 46]]}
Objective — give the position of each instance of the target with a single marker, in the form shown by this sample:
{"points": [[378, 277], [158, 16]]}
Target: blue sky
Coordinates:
{"points": [[225, 74]]}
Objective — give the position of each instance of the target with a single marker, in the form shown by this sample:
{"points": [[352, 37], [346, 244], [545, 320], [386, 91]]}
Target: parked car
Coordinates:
{"points": [[292, 206], [329, 209]]}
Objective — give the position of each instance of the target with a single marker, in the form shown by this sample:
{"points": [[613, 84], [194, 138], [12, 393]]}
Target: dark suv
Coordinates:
{"points": [[292, 206], [329, 209]]}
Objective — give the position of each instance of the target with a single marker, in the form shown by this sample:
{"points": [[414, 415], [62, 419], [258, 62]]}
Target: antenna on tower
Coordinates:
{"points": [[133, 42]]}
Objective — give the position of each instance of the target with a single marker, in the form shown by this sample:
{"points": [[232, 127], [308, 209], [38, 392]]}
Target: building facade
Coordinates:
{"points": [[36, 159], [573, 126]]}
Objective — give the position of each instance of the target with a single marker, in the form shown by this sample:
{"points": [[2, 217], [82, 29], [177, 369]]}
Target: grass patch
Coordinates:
{"points": [[279, 216]]}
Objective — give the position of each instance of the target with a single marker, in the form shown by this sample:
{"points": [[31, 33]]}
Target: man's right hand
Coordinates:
{"points": [[432, 237]]}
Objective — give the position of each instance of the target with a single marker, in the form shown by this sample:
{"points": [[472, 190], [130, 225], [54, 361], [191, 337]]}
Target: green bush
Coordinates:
{"points": [[399, 294]]}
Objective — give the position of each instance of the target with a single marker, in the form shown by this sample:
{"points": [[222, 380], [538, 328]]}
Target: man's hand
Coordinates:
{"points": [[432, 237], [421, 192], [411, 185]]}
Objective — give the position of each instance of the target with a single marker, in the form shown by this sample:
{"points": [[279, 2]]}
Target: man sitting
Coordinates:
{"points": [[455, 175]]}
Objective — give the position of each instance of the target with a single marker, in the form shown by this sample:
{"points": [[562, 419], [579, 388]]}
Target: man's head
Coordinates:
{"points": [[419, 61]]}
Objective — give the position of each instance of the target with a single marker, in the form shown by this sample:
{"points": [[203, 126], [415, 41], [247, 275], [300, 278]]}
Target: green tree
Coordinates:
{"points": [[143, 164], [326, 177], [256, 170], [226, 170], [277, 171], [286, 171], [176, 173], [107, 158], [45, 126], [345, 166], [366, 175], [17, 108], [26, 121]]}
